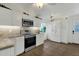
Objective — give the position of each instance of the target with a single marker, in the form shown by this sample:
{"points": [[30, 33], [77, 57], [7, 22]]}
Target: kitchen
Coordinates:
{"points": [[12, 22], [28, 26]]}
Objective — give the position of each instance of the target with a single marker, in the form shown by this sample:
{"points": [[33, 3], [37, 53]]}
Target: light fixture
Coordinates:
{"points": [[39, 5]]}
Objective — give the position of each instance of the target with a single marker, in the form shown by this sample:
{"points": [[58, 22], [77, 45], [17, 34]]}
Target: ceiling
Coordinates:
{"points": [[54, 9], [50, 9]]}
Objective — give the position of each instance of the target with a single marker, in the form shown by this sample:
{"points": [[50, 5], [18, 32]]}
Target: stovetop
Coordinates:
{"points": [[28, 36]]}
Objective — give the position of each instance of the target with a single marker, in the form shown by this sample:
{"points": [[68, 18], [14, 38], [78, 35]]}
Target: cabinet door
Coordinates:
{"points": [[16, 19], [39, 39], [19, 46], [5, 52], [12, 52], [37, 23], [5, 16]]}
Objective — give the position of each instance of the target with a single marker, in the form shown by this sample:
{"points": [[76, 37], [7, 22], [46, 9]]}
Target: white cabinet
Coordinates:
{"points": [[19, 45], [37, 23], [5, 16], [16, 19], [17, 49], [12, 53], [39, 39], [10, 17], [7, 51]]}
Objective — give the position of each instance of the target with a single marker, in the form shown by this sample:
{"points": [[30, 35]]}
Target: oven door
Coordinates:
{"points": [[30, 41]]}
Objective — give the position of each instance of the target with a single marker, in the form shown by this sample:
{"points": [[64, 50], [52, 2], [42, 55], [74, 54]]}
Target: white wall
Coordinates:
{"points": [[54, 30], [60, 30], [68, 28]]}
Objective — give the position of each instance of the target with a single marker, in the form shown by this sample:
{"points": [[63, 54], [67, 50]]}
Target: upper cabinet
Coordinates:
{"points": [[16, 18], [37, 22], [5, 16], [10, 17]]}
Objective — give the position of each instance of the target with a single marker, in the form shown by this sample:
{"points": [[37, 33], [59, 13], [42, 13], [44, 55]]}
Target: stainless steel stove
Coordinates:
{"points": [[30, 42], [29, 38]]}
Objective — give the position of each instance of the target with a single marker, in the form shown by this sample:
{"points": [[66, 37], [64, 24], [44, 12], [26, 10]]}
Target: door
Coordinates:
{"points": [[53, 31], [75, 31], [50, 31]]}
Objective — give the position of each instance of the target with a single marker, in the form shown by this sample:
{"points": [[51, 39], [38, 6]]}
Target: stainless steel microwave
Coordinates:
{"points": [[27, 23]]}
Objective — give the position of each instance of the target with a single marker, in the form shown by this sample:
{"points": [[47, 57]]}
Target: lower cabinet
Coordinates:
{"points": [[19, 45], [12, 51], [7, 51], [17, 49], [39, 39]]}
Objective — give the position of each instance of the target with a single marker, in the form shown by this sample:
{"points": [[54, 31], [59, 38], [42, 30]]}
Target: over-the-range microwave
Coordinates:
{"points": [[27, 23]]}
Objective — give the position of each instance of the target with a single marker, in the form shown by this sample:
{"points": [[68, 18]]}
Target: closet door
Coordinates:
{"points": [[65, 31], [54, 31], [51, 31], [58, 31]]}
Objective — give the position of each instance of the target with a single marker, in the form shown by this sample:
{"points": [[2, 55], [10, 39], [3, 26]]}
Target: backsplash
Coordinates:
{"points": [[9, 31]]}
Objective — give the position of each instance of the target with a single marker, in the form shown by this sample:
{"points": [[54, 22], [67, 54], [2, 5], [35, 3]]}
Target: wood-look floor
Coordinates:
{"points": [[50, 48]]}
